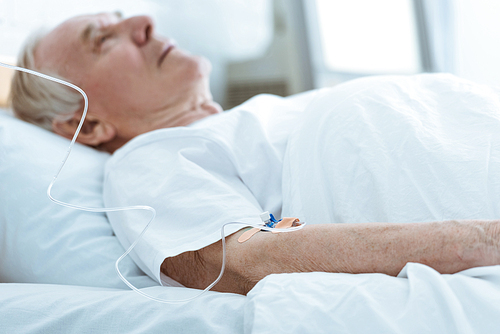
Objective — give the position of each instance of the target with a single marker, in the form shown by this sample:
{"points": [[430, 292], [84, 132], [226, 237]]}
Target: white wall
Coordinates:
{"points": [[477, 26], [221, 30], [19, 17]]}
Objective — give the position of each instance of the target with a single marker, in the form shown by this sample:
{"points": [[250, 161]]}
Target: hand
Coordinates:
{"points": [[486, 248]]}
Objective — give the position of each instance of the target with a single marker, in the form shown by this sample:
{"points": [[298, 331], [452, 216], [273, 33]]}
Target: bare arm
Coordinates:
{"points": [[448, 247]]}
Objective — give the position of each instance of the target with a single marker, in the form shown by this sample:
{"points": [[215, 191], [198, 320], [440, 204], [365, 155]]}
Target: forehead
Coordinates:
{"points": [[65, 42]]}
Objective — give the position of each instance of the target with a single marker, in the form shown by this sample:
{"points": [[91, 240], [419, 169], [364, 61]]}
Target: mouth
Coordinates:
{"points": [[165, 52]]}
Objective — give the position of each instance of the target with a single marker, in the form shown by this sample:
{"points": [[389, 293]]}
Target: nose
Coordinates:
{"points": [[140, 28]]}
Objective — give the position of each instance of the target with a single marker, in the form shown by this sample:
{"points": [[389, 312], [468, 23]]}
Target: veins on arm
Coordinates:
{"points": [[448, 247]]}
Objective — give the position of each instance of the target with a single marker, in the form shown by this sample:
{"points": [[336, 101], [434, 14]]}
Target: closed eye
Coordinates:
{"points": [[101, 39]]}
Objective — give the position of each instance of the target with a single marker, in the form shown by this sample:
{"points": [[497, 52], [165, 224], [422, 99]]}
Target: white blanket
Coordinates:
{"points": [[393, 149], [422, 302], [396, 149]]}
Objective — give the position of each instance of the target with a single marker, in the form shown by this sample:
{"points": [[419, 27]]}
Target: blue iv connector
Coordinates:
{"points": [[269, 219]]}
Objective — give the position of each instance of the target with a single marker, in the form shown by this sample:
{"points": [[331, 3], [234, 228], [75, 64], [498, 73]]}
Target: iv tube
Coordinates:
{"points": [[137, 207]]}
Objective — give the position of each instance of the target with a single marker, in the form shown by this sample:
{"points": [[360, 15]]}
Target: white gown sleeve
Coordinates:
{"points": [[192, 184]]}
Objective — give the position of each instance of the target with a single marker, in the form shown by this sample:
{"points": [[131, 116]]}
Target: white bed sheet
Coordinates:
{"points": [[45, 308]]}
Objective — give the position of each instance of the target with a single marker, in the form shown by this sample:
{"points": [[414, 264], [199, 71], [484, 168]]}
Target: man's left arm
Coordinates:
{"points": [[448, 247]]}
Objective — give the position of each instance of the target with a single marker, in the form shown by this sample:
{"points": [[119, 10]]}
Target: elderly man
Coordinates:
{"points": [[138, 82]]}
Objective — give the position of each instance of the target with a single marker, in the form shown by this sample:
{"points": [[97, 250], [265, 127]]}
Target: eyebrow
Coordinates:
{"points": [[88, 32]]}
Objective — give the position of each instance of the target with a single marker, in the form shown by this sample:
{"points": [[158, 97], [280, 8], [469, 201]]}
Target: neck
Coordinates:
{"points": [[186, 114], [173, 116]]}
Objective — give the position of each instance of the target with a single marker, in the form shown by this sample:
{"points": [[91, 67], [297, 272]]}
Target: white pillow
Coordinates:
{"points": [[42, 242]]}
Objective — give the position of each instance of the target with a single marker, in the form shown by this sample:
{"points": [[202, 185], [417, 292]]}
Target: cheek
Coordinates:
{"points": [[116, 81], [122, 62]]}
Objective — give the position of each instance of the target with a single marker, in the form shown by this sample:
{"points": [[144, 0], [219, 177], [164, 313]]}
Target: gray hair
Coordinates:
{"points": [[37, 100]]}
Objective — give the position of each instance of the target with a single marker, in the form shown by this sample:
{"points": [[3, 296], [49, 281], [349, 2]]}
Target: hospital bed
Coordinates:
{"points": [[57, 264]]}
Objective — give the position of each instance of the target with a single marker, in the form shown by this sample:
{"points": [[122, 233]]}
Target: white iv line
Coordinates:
{"points": [[138, 207]]}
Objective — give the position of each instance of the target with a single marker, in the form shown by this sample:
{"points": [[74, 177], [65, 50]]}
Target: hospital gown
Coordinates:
{"points": [[224, 168]]}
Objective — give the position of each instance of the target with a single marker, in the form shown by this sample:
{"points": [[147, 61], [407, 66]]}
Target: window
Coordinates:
{"points": [[362, 37]]}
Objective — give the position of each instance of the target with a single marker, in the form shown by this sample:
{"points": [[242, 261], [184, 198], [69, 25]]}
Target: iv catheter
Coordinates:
{"points": [[263, 227]]}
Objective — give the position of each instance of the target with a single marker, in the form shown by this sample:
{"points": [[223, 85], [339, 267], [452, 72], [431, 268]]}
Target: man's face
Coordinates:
{"points": [[127, 71]]}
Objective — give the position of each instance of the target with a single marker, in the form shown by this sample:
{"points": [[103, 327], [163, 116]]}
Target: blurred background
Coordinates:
{"points": [[285, 47]]}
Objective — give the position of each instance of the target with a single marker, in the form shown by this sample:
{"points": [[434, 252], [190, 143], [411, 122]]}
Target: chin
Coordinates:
{"points": [[199, 69], [191, 71], [205, 66]]}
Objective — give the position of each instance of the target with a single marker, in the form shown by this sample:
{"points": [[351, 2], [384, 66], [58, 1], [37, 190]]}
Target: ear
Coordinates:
{"points": [[94, 131]]}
